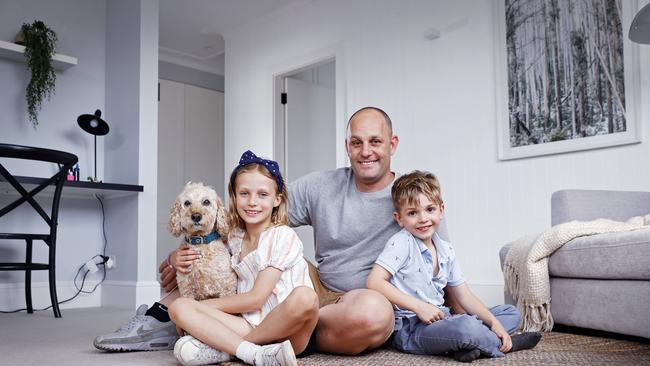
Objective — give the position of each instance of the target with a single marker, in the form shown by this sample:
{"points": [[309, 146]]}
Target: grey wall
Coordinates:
{"points": [[185, 75], [79, 89], [81, 28]]}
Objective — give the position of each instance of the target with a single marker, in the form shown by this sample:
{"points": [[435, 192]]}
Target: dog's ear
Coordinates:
{"points": [[174, 225], [221, 223]]}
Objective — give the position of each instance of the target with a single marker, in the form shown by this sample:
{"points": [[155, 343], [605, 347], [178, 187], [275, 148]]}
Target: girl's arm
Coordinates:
{"points": [[378, 281], [252, 300], [474, 306]]}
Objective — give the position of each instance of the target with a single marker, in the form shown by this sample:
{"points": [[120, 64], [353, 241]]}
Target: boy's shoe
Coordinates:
{"points": [[466, 355], [525, 340], [277, 354], [141, 333], [190, 351]]}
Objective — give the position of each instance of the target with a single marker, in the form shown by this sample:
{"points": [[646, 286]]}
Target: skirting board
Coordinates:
{"points": [[12, 295], [122, 294], [129, 294]]}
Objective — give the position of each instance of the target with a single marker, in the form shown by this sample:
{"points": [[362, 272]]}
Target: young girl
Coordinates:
{"points": [[275, 297]]}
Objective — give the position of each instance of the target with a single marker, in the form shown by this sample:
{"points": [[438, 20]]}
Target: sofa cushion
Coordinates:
{"points": [[624, 255], [614, 306]]}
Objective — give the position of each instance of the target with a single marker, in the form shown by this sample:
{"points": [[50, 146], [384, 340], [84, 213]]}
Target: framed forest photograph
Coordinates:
{"points": [[567, 76]]}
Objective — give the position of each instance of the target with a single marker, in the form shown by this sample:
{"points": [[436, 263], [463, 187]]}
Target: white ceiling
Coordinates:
{"points": [[191, 30]]}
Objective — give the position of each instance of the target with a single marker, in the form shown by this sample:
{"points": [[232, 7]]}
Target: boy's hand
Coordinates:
{"points": [[428, 313], [506, 341]]}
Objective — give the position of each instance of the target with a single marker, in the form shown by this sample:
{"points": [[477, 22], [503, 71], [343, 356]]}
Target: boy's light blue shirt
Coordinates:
{"points": [[411, 265]]}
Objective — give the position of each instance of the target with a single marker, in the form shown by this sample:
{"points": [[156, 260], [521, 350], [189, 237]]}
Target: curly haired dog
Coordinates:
{"points": [[197, 214]]}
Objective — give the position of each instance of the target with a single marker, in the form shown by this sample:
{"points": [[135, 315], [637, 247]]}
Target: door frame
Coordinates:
{"points": [[295, 65]]}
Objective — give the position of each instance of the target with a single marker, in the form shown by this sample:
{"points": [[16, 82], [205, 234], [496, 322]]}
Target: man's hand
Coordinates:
{"points": [[167, 276], [428, 313], [506, 341]]}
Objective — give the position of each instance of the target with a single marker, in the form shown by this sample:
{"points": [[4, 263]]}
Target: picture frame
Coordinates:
{"points": [[542, 135]]}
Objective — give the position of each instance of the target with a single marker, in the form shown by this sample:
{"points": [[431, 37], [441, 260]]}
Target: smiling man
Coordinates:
{"points": [[370, 144], [351, 212]]}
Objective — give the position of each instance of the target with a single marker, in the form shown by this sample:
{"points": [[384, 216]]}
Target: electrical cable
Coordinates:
{"points": [[80, 289]]}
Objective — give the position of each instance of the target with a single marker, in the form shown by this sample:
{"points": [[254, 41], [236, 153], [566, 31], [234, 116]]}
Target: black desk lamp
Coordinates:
{"points": [[94, 125]]}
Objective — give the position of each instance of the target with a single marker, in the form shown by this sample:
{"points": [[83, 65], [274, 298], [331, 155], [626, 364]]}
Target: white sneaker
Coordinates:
{"points": [[277, 354], [190, 351]]}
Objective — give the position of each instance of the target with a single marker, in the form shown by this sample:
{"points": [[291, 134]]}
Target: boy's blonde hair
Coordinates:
{"points": [[280, 214], [407, 188]]}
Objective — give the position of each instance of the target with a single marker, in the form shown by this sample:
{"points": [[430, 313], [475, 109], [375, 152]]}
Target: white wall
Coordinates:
{"points": [[441, 97]]}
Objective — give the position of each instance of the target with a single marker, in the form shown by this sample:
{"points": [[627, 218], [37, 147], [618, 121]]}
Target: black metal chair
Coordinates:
{"points": [[65, 161]]}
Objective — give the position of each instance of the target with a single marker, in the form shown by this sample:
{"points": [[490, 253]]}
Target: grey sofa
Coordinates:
{"points": [[602, 281]]}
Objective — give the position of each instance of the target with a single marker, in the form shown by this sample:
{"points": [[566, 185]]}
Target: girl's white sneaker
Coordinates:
{"points": [[277, 354], [190, 351]]}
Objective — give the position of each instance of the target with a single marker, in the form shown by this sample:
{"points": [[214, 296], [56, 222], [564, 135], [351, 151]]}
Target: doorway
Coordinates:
{"points": [[306, 127]]}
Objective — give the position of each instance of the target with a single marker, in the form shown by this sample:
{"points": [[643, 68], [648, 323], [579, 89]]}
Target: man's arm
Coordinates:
{"points": [[299, 202]]}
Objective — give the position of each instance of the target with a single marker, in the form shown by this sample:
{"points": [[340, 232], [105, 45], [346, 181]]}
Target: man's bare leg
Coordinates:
{"points": [[170, 297], [361, 320]]}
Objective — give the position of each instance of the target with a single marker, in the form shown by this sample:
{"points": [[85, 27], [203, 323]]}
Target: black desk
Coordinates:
{"points": [[76, 188]]}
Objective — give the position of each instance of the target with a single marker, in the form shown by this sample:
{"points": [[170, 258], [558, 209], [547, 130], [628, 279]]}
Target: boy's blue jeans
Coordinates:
{"points": [[453, 333]]}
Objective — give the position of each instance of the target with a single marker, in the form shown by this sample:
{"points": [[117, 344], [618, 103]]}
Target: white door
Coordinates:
{"points": [[310, 114], [204, 152], [171, 159], [190, 148]]}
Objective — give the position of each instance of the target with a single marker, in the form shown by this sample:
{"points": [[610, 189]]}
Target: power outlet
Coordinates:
{"points": [[111, 262], [91, 266]]}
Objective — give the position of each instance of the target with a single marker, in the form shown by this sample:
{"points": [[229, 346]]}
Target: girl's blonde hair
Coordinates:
{"points": [[279, 215]]}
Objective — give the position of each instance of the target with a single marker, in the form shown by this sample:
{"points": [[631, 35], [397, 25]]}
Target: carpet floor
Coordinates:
{"points": [[40, 339]]}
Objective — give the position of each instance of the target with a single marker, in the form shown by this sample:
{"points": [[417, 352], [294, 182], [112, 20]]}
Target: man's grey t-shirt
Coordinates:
{"points": [[351, 228]]}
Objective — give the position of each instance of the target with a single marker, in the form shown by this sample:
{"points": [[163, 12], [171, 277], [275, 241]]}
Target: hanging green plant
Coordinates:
{"points": [[40, 42]]}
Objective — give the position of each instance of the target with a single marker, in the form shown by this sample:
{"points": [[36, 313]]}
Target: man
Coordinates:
{"points": [[351, 212]]}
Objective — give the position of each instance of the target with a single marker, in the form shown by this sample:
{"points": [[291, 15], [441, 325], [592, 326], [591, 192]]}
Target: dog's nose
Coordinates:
{"points": [[196, 217]]}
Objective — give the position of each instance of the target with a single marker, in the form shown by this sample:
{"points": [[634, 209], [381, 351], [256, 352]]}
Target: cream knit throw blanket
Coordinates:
{"points": [[526, 266]]}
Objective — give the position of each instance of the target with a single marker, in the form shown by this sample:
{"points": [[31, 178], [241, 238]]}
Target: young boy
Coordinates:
{"points": [[414, 268]]}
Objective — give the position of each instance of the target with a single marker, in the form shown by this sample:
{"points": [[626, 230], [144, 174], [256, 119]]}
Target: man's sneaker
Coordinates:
{"points": [[141, 333], [190, 351], [277, 354]]}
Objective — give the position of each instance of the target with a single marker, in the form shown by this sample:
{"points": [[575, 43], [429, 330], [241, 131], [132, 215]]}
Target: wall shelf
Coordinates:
{"points": [[15, 52]]}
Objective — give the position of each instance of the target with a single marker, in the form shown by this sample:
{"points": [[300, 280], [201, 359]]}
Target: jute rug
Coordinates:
{"points": [[554, 349]]}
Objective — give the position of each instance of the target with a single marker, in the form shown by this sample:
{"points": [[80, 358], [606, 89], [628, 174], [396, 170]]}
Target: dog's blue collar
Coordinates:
{"points": [[199, 239]]}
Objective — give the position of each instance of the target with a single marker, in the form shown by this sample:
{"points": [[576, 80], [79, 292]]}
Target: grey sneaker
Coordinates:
{"points": [[141, 333], [190, 351], [277, 354]]}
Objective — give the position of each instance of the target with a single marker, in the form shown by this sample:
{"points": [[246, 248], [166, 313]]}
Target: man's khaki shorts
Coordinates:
{"points": [[325, 295]]}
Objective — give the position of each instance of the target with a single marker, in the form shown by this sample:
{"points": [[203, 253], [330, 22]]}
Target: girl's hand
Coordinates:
{"points": [[183, 258], [428, 313], [506, 341]]}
